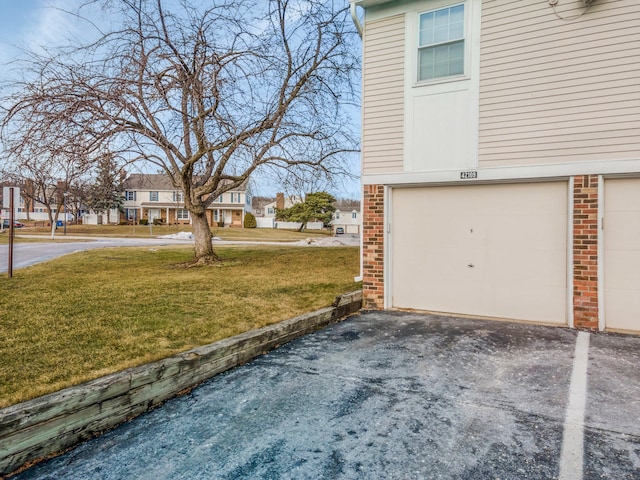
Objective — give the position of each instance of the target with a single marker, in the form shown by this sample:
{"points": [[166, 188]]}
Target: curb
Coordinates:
{"points": [[45, 426]]}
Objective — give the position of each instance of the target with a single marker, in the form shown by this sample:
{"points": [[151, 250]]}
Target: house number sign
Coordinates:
{"points": [[468, 175]]}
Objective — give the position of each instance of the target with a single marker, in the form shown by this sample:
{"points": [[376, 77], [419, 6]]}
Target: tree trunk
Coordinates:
{"points": [[202, 244]]}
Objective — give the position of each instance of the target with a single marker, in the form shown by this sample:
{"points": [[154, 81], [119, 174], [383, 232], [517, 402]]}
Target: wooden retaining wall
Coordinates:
{"points": [[47, 425]]}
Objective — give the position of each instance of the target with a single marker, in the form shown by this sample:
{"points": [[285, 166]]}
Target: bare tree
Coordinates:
{"points": [[44, 174], [209, 95]]}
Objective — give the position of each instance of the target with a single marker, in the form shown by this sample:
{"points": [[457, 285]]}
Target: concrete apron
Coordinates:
{"points": [[394, 395]]}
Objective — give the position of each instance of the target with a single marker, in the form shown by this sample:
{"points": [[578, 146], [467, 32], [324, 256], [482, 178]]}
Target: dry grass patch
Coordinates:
{"points": [[93, 313]]}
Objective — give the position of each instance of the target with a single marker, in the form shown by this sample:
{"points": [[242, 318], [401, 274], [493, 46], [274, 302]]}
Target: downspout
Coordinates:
{"points": [[356, 20]]}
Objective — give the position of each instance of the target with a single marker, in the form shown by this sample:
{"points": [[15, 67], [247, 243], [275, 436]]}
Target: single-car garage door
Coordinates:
{"points": [[622, 254], [488, 250]]}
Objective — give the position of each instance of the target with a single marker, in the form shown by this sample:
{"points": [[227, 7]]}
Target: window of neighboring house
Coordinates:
{"points": [[130, 213], [271, 211], [441, 43], [153, 196], [220, 198], [178, 196], [182, 214], [216, 215], [354, 214], [130, 195], [338, 215]]}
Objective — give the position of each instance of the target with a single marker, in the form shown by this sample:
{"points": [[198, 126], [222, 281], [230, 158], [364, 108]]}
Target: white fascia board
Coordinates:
{"points": [[505, 174]]}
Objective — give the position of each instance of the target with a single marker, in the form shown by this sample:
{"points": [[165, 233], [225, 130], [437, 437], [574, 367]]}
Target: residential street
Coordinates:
{"points": [[27, 254], [394, 395]]}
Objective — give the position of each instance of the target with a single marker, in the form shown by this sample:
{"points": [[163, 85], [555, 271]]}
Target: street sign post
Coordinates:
{"points": [[11, 200]]}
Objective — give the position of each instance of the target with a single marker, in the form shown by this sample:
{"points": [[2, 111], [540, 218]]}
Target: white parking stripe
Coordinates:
{"points": [[571, 458]]}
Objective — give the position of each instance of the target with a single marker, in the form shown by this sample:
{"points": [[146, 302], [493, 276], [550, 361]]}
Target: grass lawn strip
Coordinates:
{"points": [[93, 313]]}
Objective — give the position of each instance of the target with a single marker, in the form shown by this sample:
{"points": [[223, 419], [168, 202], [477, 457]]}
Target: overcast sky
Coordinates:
{"points": [[29, 24]]}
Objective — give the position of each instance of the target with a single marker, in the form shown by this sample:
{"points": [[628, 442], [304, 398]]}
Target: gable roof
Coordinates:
{"points": [[157, 181]]}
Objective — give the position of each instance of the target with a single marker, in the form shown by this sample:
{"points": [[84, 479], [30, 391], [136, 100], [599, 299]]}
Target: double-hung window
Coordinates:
{"points": [[441, 43], [130, 195], [153, 196], [182, 214]]}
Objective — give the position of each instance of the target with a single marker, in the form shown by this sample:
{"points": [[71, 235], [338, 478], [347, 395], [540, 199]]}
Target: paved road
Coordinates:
{"points": [[27, 254], [388, 395]]}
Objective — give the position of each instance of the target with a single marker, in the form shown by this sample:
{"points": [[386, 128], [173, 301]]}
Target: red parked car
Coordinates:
{"points": [[5, 224]]}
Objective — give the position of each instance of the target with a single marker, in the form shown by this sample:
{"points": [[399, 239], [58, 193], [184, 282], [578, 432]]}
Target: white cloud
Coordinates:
{"points": [[51, 24]]}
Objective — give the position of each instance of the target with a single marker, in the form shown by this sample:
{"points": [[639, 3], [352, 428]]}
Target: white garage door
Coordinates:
{"points": [[622, 254], [488, 250]]}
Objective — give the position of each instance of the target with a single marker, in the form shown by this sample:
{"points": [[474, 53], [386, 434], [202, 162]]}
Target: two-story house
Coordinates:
{"points": [[347, 217], [153, 197], [501, 158]]}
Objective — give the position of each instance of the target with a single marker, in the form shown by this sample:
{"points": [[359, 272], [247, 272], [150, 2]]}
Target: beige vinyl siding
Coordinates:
{"points": [[554, 91], [383, 100]]}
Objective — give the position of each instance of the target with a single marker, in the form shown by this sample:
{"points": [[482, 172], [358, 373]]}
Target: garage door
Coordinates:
{"points": [[622, 254], [488, 250]]}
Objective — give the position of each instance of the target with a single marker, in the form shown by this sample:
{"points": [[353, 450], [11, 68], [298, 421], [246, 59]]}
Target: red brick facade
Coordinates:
{"points": [[373, 247], [585, 251]]}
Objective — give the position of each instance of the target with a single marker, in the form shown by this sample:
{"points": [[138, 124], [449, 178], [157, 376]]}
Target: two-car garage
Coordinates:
{"points": [[489, 250]]}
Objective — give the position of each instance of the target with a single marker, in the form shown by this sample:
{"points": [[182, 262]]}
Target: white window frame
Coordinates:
{"points": [[154, 196], [182, 214], [462, 40], [130, 195], [354, 215], [178, 196]]}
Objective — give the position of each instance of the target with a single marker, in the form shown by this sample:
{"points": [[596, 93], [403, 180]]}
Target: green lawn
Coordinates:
{"points": [[93, 313]]}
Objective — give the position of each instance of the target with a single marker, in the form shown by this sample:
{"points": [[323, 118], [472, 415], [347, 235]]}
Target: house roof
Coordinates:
{"points": [[347, 205], [156, 181]]}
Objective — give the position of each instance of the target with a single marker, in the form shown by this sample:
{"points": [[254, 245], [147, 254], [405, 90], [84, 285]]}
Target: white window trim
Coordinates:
{"points": [[418, 47], [180, 211], [470, 81], [412, 39]]}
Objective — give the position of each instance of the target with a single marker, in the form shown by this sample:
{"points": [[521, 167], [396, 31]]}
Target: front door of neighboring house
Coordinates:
{"points": [[154, 213], [227, 217]]}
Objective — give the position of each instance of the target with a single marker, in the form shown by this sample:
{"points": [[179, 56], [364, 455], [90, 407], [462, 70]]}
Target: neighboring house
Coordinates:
{"points": [[499, 139], [281, 202], [347, 217], [30, 209], [153, 197], [258, 205]]}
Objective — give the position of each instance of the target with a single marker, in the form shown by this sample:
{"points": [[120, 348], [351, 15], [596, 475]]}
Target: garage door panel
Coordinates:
{"points": [[481, 250], [622, 254]]}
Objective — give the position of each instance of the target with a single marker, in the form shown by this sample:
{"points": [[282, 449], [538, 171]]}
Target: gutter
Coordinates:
{"points": [[356, 20]]}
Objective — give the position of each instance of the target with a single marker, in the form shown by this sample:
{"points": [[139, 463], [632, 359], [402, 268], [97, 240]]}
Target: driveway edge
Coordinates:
{"points": [[45, 426]]}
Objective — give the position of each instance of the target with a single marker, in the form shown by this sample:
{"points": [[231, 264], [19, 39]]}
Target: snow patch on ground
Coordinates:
{"points": [[179, 236], [329, 242]]}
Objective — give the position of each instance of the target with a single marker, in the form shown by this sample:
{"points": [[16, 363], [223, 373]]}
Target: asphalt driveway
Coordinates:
{"points": [[389, 395]]}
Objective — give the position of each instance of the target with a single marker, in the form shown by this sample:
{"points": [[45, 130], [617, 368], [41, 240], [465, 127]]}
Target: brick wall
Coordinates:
{"points": [[585, 251], [373, 247]]}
